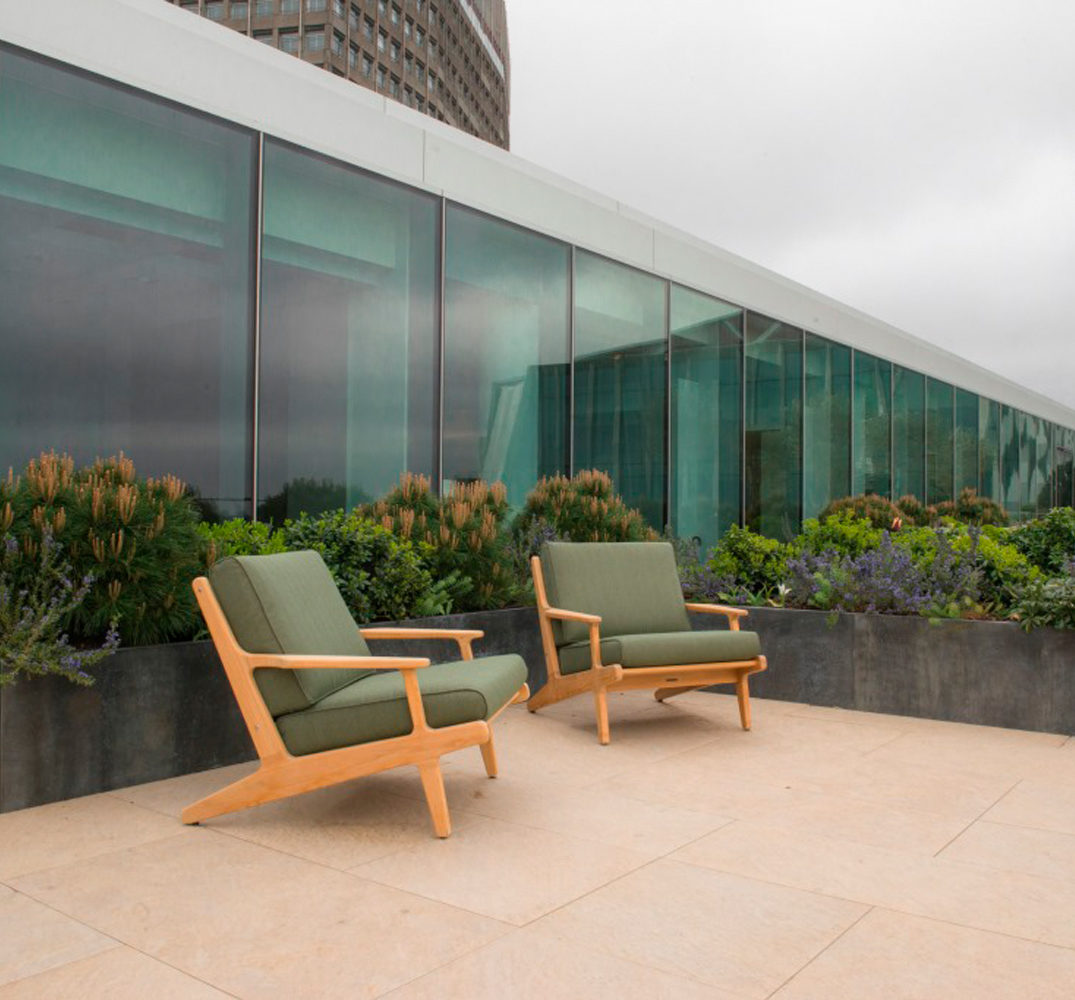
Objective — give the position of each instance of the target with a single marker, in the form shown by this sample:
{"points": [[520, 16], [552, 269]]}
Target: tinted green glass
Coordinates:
{"points": [[348, 334], [620, 379], [940, 423], [908, 434], [989, 484], [505, 353], [126, 285], [966, 441], [872, 427], [1011, 476], [826, 424], [773, 433], [1040, 494], [1065, 476], [706, 344], [1026, 462]]}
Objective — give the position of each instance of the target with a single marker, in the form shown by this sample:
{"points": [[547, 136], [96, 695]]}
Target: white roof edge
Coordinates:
{"points": [[157, 47]]}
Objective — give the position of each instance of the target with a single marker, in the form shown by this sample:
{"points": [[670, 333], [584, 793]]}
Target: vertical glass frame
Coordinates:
{"points": [[621, 379], [826, 424], [940, 440], [705, 414], [908, 433], [773, 361], [872, 421]]}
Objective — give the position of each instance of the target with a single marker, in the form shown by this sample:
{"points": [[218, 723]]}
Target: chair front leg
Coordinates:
{"points": [[489, 755], [433, 786]]}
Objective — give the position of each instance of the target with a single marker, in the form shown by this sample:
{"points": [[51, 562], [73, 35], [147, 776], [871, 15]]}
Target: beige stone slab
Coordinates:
{"points": [[258, 923], [529, 965], [736, 934], [172, 795], [1017, 849], [592, 813], [120, 973], [901, 957], [34, 937], [62, 832], [1014, 903], [1047, 805], [512, 873]]}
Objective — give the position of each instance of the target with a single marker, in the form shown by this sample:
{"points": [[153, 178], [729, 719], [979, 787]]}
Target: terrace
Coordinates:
{"points": [[828, 853]]}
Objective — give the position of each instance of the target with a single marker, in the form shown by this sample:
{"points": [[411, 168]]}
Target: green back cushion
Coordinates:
{"points": [[288, 603], [633, 586]]}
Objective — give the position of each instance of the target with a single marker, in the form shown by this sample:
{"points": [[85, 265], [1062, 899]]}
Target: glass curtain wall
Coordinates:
{"points": [[826, 424], [908, 434], [988, 448], [1026, 462], [126, 281], [506, 319], [872, 472], [1011, 491], [705, 413], [1040, 492], [621, 379], [940, 423], [966, 441], [773, 429], [349, 334]]}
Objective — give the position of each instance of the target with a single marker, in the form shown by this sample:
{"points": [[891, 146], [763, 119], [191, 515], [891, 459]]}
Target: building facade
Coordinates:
{"points": [[196, 270], [446, 58]]}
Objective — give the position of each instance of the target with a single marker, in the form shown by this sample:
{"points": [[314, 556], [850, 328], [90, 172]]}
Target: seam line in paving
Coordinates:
{"points": [[1003, 795], [814, 958]]}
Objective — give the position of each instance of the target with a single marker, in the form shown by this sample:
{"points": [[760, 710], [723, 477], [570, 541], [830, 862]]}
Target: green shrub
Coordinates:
{"points": [[1049, 541], [843, 533], [914, 512], [137, 538], [239, 537], [756, 564], [1047, 603], [381, 577], [463, 534], [584, 508], [881, 513], [969, 508]]}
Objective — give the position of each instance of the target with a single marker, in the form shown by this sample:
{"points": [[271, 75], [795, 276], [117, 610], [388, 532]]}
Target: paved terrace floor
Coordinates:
{"points": [[826, 854]]}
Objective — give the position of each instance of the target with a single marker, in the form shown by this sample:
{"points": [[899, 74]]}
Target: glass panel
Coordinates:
{"points": [[908, 434], [1066, 472], [826, 424], [1039, 493], [773, 437], [505, 353], [126, 241], [989, 484], [620, 378], [349, 333], [706, 412], [1011, 481], [872, 426], [966, 448], [940, 419]]}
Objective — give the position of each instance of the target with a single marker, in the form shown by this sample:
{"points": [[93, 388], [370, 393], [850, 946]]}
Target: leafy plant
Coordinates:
{"points": [[969, 508], [1047, 603], [33, 612], [239, 537], [381, 577], [914, 512], [843, 532], [1049, 541], [881, 513], [137, 539], [749, 563]]}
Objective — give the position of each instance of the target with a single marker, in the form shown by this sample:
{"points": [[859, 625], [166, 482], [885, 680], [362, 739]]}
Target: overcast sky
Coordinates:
{"points": [[912, 158]]}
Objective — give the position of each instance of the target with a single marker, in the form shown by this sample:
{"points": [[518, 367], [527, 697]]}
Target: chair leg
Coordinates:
{"points": [[600, 702], [433, 786], [661, 694], [252, 790], [743, 694], [489, 756]]}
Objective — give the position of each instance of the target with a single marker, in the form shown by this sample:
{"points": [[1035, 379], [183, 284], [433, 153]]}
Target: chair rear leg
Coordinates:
{"points": [[742, 692], [489, 755], [433, 786], [600, 701], [252, 790]]}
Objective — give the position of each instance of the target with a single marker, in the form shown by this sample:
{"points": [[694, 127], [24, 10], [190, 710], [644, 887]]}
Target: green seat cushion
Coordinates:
{"points": [[375, 707], [288, 603], [633, 586], [661, 649]]}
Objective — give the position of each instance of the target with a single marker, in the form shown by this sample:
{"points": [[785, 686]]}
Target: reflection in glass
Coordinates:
{"points": [[349, 331], [1039, 458], [872, 430], [966, 441], [706, 338], [989, 448], [908, 433], [620, 379], [773, 454], [505, 353], [126, 242], [1065, 479], [940, 418], [826, 424], [1011, 491]]}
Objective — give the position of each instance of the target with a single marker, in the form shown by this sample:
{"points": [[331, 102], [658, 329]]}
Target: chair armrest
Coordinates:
{"points": [[573, 616], [732, 614], [463, 636], [288, 661]]}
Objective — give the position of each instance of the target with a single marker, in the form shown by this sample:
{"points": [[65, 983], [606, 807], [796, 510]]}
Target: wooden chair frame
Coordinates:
{"points": [[281, 775], [600, 678]]}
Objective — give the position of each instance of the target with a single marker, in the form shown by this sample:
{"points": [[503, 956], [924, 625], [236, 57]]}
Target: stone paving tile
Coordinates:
{"points": [[1044, 804], [1016, 848]]}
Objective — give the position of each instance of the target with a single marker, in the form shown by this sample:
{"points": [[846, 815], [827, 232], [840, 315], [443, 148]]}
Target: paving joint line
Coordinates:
{"points": [[810, 961], [988, 808]]}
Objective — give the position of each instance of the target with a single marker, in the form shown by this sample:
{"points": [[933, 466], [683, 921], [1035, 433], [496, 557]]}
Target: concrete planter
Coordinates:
{"points": [[160, 711]]}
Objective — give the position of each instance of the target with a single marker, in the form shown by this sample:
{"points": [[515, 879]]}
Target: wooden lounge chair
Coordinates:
{"points": [[320, 708], [612, 618]]}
